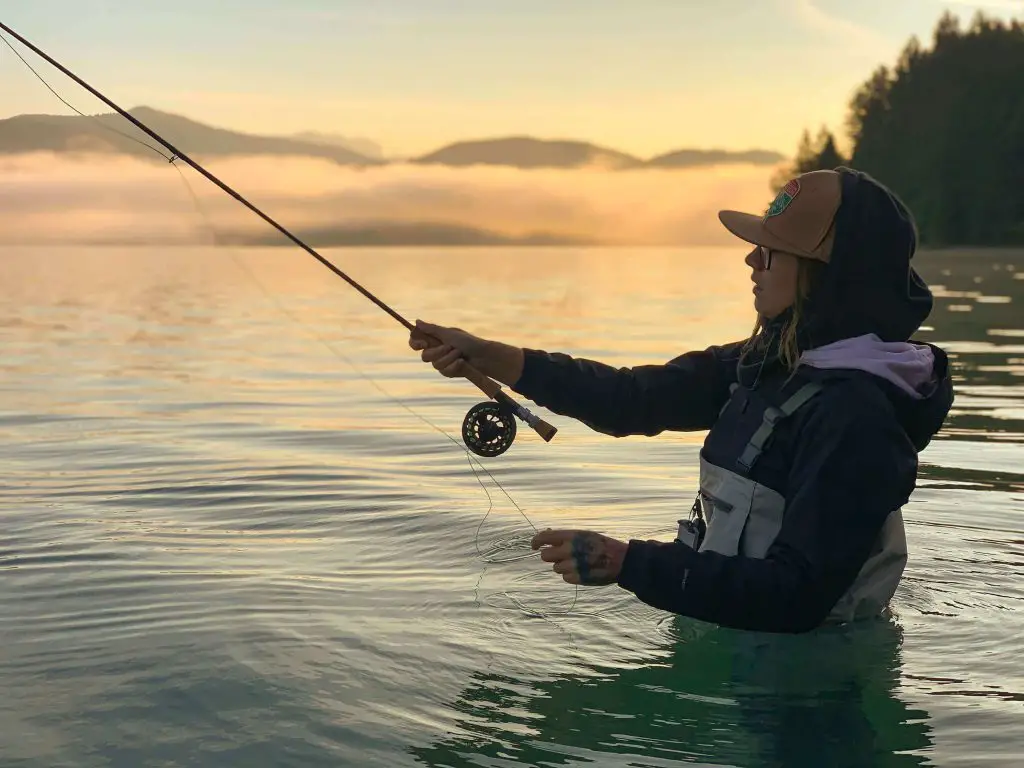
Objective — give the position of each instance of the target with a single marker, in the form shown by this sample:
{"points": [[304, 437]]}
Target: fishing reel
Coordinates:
{"points": [[489, 429]]}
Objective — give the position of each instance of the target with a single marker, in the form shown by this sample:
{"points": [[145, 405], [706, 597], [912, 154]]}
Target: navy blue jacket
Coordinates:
{"points": [[843, 462]]}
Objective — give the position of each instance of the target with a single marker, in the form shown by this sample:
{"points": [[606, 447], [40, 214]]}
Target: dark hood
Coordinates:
{"points": [[869, 285], [922, 419]]}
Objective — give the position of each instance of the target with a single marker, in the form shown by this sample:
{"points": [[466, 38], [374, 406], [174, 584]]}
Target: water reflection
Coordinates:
{"points": [[718, 697], [977, 312], [164, 391]]}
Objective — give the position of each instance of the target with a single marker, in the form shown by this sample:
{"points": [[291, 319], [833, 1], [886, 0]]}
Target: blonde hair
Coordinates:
{"points": [[789, 341]]}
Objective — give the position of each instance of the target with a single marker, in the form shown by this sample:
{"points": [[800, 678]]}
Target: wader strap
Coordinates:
{"points": [[732, 391], [772, 416]]}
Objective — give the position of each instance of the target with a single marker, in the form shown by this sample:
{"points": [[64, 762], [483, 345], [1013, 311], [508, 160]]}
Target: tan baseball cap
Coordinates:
{"points": [[799, 220]]}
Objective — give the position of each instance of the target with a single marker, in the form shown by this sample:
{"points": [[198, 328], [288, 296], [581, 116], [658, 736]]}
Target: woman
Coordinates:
{"points": [[815, 422]]}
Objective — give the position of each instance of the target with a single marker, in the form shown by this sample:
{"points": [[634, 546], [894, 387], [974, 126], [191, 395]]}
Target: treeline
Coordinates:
{"points": [[944, 129]]}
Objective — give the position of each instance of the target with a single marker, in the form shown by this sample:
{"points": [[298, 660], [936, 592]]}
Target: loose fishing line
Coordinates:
{"points": [[483, 447], [495, 547]]}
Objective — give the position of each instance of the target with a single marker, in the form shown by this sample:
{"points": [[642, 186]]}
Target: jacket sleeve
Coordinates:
{"points": [[853, 467], [683, 394]]}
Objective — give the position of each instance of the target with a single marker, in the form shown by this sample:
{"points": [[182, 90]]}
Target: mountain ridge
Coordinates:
{"points": [[108, 132]]}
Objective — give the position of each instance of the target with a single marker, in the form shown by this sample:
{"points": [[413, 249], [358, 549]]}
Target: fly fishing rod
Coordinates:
{"points": [[488, 429]]}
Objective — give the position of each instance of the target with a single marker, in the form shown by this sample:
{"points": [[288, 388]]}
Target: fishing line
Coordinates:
{"points": [[78, 112], [341, 356], [496, 546]]}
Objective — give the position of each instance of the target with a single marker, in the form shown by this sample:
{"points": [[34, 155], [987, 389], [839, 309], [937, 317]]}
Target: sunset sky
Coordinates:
{"points": [[643, 76]]}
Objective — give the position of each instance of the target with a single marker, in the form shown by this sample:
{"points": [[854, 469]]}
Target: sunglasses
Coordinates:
{"points": [[764, 255]]}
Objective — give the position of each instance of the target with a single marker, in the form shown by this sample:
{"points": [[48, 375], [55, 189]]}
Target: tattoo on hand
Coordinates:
{"points": [[588, 552]]}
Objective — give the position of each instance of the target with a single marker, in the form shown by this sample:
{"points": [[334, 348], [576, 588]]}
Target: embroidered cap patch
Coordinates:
{"points": [[783, 199]]}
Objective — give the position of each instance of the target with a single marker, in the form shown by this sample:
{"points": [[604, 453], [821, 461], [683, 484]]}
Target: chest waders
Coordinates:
{"points": [[733, 515]]}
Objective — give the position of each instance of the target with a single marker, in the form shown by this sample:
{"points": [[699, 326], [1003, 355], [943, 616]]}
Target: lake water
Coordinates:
{"points": [[224, 542]]}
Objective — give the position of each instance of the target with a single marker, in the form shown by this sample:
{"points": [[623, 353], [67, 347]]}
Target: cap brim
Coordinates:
{"points": [[747, 226]]}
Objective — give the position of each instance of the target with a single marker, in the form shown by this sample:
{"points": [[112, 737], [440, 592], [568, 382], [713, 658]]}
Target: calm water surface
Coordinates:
{"points": [[226, 544]]}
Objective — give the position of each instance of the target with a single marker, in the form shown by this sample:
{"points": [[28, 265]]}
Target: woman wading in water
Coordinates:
{"points": [[815, 422]]}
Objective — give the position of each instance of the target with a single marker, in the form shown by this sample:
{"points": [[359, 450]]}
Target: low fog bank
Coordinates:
{"points": [[101, 199]]}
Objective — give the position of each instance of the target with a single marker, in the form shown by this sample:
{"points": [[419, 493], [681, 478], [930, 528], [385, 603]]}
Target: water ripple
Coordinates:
{"points": [[224, 546]]}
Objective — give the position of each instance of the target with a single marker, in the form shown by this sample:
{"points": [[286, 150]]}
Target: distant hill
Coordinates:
{"points": [[61, 133], [527, 152], [688, 158]]}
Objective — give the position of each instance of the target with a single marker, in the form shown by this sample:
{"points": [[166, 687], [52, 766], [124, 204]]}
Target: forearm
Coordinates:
{"points": [[684, 394], [502, 362], [590, 391], [765, 595]]}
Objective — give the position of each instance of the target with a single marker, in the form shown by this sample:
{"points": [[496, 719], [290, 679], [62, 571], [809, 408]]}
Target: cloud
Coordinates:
{"points": [[864, 40], [104, 199]]}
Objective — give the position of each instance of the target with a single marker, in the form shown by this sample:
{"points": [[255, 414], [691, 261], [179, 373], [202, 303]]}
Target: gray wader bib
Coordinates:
{"points": [[733, 515]]}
